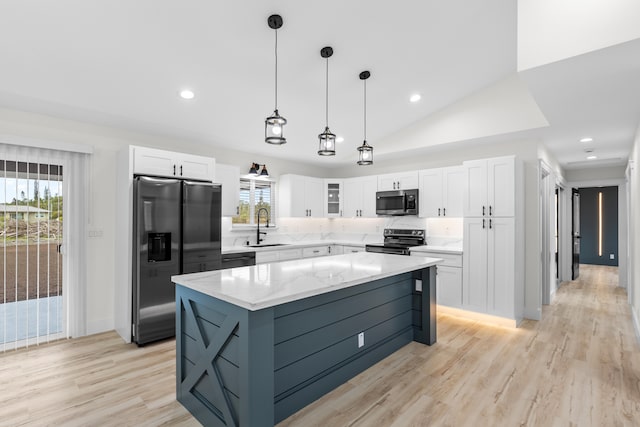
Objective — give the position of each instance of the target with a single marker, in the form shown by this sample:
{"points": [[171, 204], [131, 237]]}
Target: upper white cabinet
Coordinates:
{"points": [[229, 177], [442, 192], [333, 196], [301, 196], [149, 161], [490, 187], [360, 197], [398, 181]]}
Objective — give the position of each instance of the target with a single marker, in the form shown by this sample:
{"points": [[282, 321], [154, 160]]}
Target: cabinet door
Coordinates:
{"points": [[501, 267], [449, 286], [475, 191], [196, 167], [229, 177], [352, 249], [291, 196], [314, 196], [352, 203], [387, 182], [453, 191], [408, 180], [333, 198], [368, 185], [336, 250], [149, 161], [266, 256], [430, 194], [501, 186], [474, 261]]}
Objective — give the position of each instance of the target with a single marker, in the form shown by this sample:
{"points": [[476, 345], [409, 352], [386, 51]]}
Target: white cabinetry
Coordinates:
{"points": [[441, 192], [491, 187], [278, 255], [448, 278], [333, 190], [398, 181], [316, 251], [149, 161], [493, 270], [301, 196], [360, 197], [229, 177]]}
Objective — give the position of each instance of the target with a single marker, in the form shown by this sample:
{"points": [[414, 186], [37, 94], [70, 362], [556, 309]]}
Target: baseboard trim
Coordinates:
{"points": [[99, 326]]}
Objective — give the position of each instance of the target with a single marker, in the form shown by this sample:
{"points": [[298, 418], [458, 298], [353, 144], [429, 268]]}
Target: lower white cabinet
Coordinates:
{"points": [[267, 256], [348, 249], [448, 278], [449, 286], [315, 251], [336, 250]]}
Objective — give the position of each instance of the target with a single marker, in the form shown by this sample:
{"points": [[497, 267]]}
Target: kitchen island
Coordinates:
{"points": [[256, 344]]}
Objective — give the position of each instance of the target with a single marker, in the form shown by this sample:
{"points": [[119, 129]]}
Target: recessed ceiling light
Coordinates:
{"points": [[586, 139], [415, 97], [340, 139], [187, 94], [592, 157]]}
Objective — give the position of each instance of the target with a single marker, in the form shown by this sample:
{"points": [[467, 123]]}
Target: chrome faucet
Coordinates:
{"points": [[258, 232]]}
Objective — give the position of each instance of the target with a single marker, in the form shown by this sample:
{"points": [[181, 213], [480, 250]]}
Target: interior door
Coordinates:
{"points": [[575, 233]]}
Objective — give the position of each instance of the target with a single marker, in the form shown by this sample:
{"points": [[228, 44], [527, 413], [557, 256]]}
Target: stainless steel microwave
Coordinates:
{"points": [[398, 202]]}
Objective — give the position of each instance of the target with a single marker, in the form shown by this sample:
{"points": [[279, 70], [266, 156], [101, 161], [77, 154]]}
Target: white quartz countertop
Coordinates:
{"points": [[296, 245], [267, 285]]}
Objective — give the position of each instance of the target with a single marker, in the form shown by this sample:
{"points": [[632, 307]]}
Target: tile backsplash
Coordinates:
{"points": [[366, 230]]}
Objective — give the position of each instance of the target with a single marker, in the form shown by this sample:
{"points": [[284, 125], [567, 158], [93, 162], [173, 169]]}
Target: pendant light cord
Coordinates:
{"points": [[327, 96], [276, 53], [365, 110]]}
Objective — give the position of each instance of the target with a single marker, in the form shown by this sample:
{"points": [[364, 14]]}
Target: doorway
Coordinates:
{"points": [[599, 225]]}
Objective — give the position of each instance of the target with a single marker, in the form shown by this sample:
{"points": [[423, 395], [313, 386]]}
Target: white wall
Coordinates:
{"points": [[552, 30], [106, 143]]}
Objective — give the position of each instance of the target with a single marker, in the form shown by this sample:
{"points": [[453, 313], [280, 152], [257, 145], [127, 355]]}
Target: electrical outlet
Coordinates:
{"points": [[418, 285], [612, 256], [361, 339]]}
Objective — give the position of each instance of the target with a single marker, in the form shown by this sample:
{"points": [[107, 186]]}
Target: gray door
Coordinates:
{"points": [[156, 257]]}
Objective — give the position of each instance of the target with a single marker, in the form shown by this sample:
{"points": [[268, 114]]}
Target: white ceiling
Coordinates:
{"points": [[122, 63]]}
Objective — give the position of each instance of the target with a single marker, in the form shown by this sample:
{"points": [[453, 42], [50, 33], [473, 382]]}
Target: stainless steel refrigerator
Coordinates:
{"points": [[176, 230]]}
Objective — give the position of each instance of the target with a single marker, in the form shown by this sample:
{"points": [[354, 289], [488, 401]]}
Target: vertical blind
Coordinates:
{"points": [[43, 247]]}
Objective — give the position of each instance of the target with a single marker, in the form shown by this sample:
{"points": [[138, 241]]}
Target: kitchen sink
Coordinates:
{"points": [[267, 245]]}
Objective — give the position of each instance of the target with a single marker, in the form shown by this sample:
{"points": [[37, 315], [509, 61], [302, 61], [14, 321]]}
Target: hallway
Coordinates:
{"points": [[579, 366]]}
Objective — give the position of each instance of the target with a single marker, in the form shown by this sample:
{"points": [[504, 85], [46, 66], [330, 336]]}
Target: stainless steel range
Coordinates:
{"points": [[398, 241]]}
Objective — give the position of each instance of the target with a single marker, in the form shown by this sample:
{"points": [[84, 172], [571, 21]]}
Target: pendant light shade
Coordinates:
{"points": [[365, 151], [327, 139], [253, 170], [274, 124]]}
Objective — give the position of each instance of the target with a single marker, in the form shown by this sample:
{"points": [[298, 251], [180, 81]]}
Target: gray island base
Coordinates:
{"points": [[256, 344]]}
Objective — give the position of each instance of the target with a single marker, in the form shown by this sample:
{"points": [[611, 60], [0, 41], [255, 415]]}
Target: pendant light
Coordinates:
{"points": [[274, 124], [327, 139], [365, 151]]}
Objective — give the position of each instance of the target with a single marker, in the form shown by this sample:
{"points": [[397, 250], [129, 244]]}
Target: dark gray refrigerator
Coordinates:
{"points": [[176, 230]]}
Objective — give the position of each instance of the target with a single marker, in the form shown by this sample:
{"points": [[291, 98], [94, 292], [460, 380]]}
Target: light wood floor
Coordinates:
{"points": [[579, 366]]}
